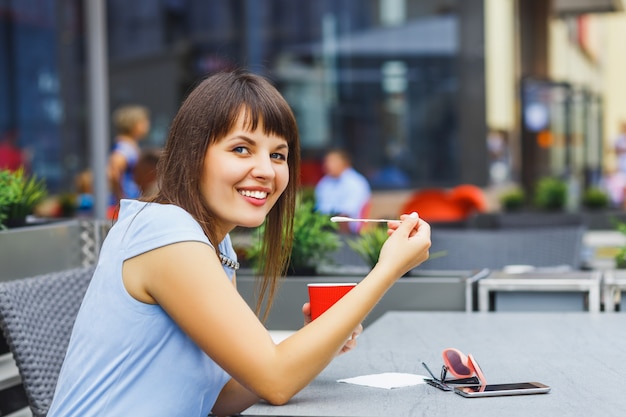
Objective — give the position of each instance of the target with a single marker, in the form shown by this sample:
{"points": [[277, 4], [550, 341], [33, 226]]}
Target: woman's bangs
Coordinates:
{"points": [[274, 118]]}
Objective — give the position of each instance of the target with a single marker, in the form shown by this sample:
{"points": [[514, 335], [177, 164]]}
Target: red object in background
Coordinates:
{"points": [[11, 157], [470, 197], [311, 171], [113, 212], [437, 205]]}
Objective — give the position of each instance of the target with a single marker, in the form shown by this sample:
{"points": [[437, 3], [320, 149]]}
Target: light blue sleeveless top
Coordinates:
{"points": [[128, 358]]}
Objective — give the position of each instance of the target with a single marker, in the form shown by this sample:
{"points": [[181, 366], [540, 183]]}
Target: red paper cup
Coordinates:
{"points": [[324, 295]]}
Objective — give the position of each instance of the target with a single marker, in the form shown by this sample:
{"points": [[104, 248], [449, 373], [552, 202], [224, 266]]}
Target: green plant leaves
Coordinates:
{"points": [[551, 193], [315, 238], [595, 198], [369, 243], [513, 199], [19, 194], [371, 240]]}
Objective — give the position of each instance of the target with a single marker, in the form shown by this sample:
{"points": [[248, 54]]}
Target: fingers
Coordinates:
{"points": [[357, 332], [408, 243], [392, 226], [408, 224], [351, 343], [306, 312], [423, 228]]}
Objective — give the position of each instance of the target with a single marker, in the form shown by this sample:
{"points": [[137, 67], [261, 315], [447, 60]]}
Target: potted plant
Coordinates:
{"points": [[599, 212], [550, 194], [6, 196], [368, 244], [19, 194], [512, 199], [315, 239], [595, 198], [371, 240]]}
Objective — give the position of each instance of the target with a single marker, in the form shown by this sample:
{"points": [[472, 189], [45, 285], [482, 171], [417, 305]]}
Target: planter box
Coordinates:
{"points": [[33, 250], [591, 219], [523, 219], [38, 249], [470, 249], [420, 291], [603, 219]]}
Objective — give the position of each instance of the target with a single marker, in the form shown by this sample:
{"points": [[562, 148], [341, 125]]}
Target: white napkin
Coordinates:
{"points": [[387, 380]]}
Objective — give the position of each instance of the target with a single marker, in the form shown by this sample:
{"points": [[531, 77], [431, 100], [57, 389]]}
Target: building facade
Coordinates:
{"points": [[398, 83], [406, 86]]}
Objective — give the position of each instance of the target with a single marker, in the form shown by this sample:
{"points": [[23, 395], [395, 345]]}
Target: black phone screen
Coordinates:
{"points": [[496, 390], [503, 387]]}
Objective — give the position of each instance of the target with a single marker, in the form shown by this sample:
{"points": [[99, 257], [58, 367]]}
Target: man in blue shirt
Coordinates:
{"points": [[342, 190]]}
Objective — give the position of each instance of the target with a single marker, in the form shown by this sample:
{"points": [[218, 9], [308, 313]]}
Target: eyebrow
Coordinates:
{"points": [[283, 146], [251, 141]]}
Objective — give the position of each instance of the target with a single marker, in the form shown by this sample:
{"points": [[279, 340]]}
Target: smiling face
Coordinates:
{"points": [[232, 158], [243, 176]]}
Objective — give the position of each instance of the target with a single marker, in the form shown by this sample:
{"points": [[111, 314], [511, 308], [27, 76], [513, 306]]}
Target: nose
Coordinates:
{"points": [[263, 167]]}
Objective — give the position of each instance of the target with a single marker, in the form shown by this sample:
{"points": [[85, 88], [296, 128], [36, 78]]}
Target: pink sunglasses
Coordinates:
{"points": [[463, 367]]}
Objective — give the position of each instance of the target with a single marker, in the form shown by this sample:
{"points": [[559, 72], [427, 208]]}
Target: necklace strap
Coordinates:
{"points": [[226, 261]]}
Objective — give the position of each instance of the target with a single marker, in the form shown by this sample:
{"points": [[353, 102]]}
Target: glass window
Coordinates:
{"points": [[41, 96], [378, 77]]}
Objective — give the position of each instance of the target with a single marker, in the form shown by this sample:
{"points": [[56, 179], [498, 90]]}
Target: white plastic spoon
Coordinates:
{"points": [[341, 219]]}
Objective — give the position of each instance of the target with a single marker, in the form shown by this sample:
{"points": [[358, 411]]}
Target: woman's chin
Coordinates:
{"points": [[251, 223]]}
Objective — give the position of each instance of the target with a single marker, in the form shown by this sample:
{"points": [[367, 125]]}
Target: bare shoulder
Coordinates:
{"points": [[168, 267]]}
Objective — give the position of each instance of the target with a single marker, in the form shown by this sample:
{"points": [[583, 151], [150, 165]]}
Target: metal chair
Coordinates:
{"points": [[36, 316]]}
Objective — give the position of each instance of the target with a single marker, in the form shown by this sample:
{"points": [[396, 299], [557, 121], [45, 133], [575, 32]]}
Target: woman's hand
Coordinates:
{"points": [[306, 312], [350, 343], [407, 245]]}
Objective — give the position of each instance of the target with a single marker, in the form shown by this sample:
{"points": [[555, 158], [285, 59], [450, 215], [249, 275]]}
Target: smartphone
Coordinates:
{"points": [[497, 390]]}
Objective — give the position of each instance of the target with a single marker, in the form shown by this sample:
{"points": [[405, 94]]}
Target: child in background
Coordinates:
{"points": [[84, 191], [132, 124]]}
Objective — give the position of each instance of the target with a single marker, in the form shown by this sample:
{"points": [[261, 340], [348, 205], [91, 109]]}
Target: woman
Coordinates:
{"points": [[162, 330]]}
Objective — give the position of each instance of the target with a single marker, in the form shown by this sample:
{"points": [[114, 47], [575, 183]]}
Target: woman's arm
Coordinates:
{"points": [[233, 399], [188, 281]]}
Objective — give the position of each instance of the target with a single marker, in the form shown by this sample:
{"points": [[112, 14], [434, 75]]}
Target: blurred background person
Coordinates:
{"points": [[84, 192], [131, 124], [614, 183], [342, 191], [145, 173], [499, 159], [619, 146]]}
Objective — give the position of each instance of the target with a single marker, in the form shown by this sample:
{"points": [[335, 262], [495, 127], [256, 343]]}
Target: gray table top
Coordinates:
{"points": [[582, 356]]}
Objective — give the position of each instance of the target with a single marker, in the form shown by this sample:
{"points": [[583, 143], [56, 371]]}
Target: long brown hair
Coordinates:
{"points": [[206, 116]]}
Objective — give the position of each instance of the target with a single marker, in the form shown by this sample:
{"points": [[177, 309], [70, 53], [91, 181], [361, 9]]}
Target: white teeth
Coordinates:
{"points": [[253, 194]]}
